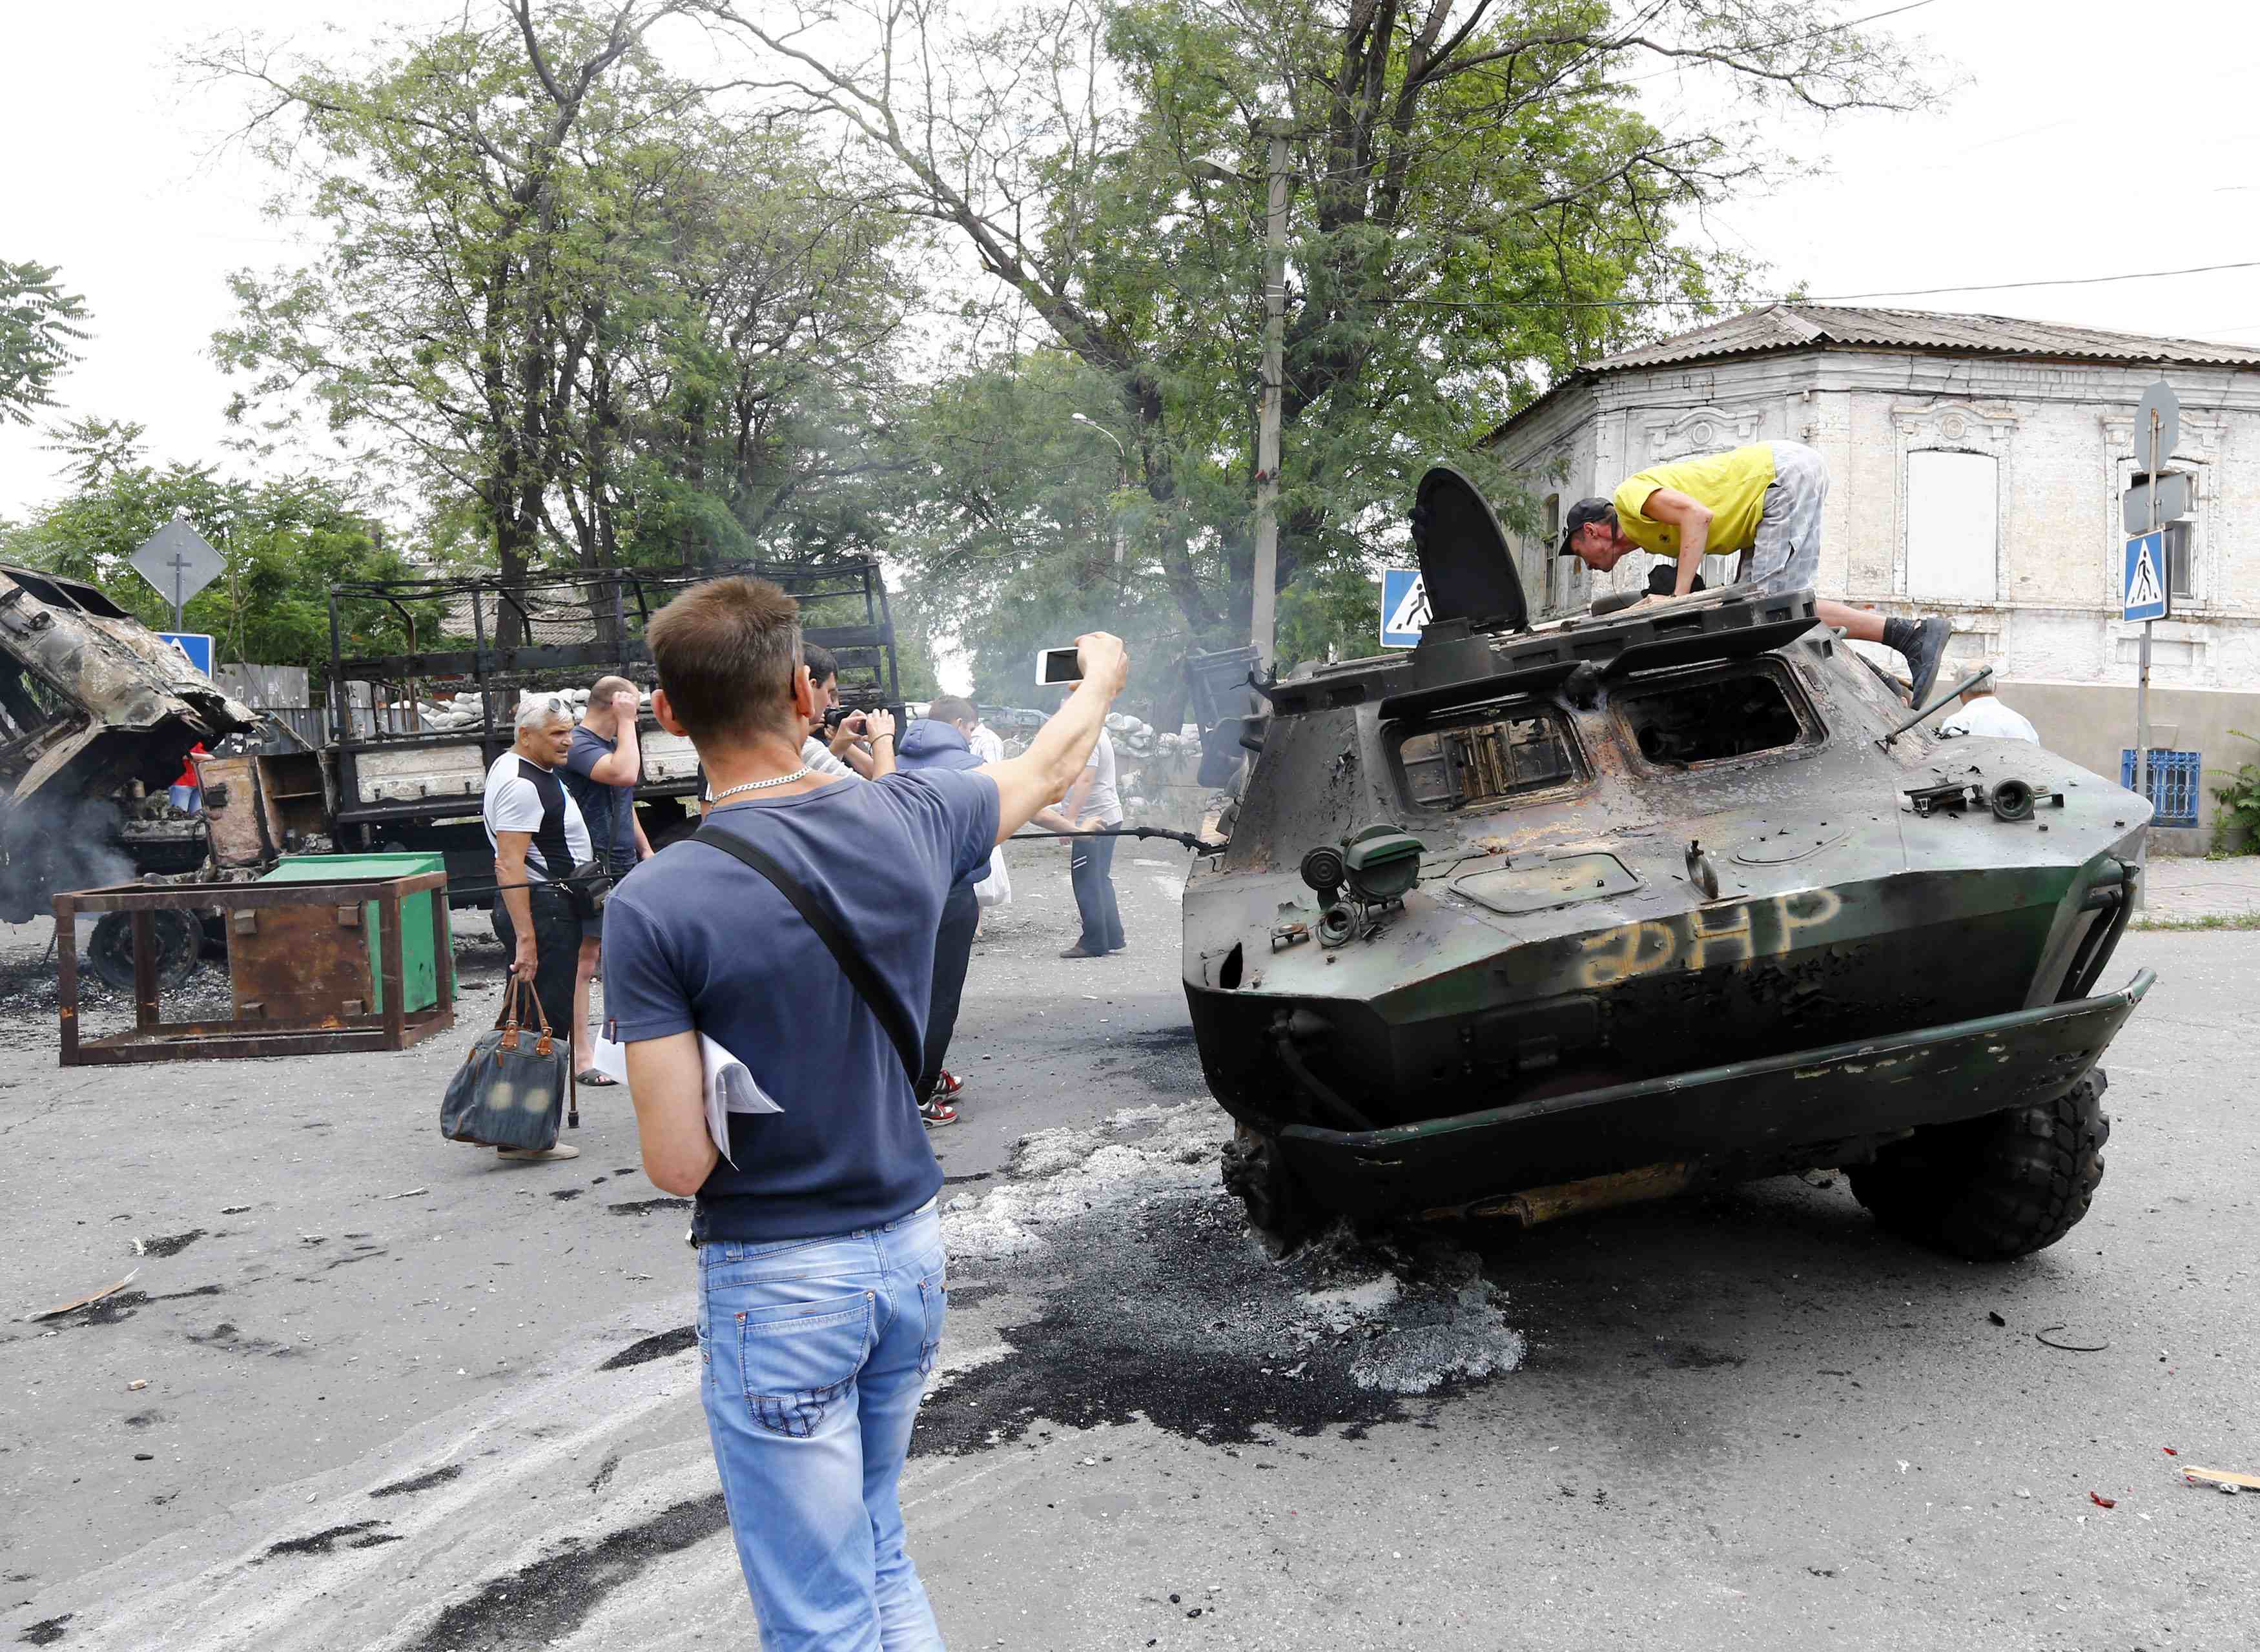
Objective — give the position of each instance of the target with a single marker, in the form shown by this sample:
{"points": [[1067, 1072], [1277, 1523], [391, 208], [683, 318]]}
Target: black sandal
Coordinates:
{"points": [[592, 1079]]}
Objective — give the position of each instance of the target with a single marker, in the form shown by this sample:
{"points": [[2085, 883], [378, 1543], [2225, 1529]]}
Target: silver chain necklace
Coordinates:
{"points": [[801, 773]]}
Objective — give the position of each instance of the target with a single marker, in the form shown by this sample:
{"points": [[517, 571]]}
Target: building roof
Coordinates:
{"points": [[1780, 327], [1795, 326]]}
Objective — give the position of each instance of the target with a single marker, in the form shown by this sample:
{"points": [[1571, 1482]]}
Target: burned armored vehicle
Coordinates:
{"points": [[1532, 920], [97, 717]]}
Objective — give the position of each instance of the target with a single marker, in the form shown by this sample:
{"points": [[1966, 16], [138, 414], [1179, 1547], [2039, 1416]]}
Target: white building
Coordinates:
{"points": [[1977, 464]]}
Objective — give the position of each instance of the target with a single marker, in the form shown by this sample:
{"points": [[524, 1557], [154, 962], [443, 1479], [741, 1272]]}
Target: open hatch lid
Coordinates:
{"points": [[1734, 624], [1465, 564]]}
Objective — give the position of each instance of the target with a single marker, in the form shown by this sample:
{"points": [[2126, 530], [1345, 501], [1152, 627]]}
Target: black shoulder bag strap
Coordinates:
{"points": [[852, 963]]}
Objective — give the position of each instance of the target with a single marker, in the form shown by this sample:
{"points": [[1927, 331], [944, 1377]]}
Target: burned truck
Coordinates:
{"points": [[97, 718], [413, 730], [1534, 919]]}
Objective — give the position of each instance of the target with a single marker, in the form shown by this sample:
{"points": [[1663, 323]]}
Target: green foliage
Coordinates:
{"points": [[2236, 823], [590, 323], [39, 323], [1478, 205], [286, 539]]}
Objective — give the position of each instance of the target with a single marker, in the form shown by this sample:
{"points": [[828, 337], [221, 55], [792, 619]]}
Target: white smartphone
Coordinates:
{"points": [[1058, 668]]}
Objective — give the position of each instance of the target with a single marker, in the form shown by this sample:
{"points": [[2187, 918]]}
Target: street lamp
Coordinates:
{"points": [[1121, 481]]}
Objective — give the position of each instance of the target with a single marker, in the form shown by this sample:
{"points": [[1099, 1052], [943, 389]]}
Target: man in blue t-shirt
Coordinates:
{"points": [[601, 767], [821, 1275]]}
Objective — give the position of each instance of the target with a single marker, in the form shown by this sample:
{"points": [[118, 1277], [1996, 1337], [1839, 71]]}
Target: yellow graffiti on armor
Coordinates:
{"points": [[1718, 935]]}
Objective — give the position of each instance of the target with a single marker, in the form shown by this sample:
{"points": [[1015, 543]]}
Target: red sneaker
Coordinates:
{"points": [[950, 1083], [937, 1112]]}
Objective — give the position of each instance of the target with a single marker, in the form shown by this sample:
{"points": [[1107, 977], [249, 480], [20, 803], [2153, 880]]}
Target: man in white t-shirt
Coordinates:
{"points": [[1982, 713], [538, 837], [1093, 802]]}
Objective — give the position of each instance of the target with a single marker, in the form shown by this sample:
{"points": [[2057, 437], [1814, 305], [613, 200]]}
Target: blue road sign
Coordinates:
{"points": [[193, 646], [2142, 592], [1404, 606]]}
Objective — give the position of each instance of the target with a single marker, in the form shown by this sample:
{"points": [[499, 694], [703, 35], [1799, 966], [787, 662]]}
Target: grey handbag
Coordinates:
{"points": [[508, 1093]]}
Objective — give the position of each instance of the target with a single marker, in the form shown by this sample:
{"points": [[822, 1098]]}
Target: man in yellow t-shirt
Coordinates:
{"points": [[1765, 500]]}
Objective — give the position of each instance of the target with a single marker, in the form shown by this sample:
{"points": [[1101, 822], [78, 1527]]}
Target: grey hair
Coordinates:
{"points": [[538, 710]]}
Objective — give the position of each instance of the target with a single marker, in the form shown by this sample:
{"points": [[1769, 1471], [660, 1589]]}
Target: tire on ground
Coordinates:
{"points": [[1256, 1174], [1997, 1187]]}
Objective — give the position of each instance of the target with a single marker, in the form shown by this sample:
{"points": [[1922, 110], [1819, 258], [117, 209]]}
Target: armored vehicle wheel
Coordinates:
{"points": [[1255, 1174], [180, 944], [1997, 1187]]}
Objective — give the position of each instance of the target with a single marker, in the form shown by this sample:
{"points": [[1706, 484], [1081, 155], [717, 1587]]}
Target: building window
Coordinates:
{"points": [[2173, 784], [2181, 557], [1952, 520]]}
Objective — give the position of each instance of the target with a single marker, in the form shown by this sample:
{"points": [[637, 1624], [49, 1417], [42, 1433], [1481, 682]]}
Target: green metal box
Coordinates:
{"points": [[418, 968]]}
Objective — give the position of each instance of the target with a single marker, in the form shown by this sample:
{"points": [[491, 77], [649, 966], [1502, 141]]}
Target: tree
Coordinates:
{"points": [[286, 539], [623, 330], [1479, 205], [466, 190], [39, 323]]}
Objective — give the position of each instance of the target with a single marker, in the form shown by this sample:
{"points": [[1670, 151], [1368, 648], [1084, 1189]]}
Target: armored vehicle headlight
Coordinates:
{"points": [[1322, 869], [1384, 865]]}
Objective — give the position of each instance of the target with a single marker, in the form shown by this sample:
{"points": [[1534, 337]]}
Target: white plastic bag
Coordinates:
{"points": [[996, 888]]}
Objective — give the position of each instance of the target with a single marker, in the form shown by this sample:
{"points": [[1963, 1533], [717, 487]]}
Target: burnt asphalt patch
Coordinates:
{"points": [[367, 1533], [171, 1244], [554, 1595], [645, 1207], [420, 1482], [47, 1631], [681, 1340], [1153, 1299]]}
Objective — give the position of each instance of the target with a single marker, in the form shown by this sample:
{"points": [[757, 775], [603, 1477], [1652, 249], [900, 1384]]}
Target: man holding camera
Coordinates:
{"points": [[837, 744], [601, 767], [538, 837], [822, 1283]]}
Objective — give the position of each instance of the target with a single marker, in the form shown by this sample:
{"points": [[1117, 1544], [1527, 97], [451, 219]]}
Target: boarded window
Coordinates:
{"points": [[1952, 520], [1487, 762]]}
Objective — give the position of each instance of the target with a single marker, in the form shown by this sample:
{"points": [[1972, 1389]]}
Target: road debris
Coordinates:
{"points": [[2072, 1341], [1995, 1317], [2102, 1502], [233, 1210], [2227, 1480], [137, 1384], [412, 1193], [81, 1302]]}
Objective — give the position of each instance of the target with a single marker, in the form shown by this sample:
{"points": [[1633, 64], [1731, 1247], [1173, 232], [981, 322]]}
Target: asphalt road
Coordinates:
{"points": [[466, 1417]]}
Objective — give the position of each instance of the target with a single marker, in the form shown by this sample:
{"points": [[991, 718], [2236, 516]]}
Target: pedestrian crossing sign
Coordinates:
{"points": [[2142, 587], [1404, 606]]}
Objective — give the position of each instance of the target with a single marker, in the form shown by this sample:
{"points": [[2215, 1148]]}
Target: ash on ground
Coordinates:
{"points": [[1136, 1290]]}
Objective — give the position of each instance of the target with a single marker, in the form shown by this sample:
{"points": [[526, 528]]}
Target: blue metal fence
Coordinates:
{"points": [[2173, 784]]}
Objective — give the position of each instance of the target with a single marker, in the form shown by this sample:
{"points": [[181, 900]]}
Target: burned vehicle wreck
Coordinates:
{"points": [[97, 717], [1532, 920]]}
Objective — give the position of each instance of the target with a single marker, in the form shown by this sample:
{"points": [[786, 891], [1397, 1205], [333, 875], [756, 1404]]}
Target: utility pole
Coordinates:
{"points": [[1265, 606]]}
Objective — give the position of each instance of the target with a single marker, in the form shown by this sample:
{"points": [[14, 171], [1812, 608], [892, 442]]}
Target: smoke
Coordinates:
{"points": [[51, 845]]}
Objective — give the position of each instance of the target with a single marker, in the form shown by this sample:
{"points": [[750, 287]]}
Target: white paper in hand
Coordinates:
{"points": [[730, 1087]]}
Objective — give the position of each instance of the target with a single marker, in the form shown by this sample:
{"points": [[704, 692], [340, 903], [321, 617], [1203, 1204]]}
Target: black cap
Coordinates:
{"points": [[1581, 514]]}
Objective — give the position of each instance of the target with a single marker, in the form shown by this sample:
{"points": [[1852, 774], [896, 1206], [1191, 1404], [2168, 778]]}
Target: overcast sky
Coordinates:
{"points": [[2086, 139]]}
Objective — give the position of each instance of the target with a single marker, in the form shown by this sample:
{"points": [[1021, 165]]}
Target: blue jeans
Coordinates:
{"points": [[814, 1354]]}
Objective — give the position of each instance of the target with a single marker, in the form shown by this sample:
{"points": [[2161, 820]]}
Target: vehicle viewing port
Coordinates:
{"points": [[1720, 714], [1496, 756]]}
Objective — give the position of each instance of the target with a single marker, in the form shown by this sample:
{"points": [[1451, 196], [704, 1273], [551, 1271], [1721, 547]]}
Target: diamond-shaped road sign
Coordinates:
{"points": [[177, 562]]}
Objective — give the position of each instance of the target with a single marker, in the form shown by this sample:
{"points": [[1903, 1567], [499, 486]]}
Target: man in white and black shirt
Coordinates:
{"points": [[538, 837]]}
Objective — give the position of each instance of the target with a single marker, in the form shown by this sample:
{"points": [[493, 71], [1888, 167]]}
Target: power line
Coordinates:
{"points": [[1821, 298]]}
